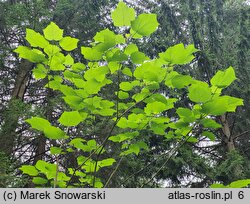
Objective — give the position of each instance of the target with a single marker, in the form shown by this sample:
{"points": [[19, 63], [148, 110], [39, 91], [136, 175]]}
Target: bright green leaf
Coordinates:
{"points": [[68, 43], [54, 133], [138, 57], [123, 95], [106, 162], [150, 71], [72, 118], [199, 92], [144, 25], [217, 185], [127, 72], [209, 123], [91, 53], [181, 81], [32, 55], [30, 170], [131, 48], [39, 181], [178, 54], [223, 79], [55, 150], [52, 50], [209, 135], [186, 115], [78, 67], [114, 66], [40, 72], [192, 140], [221, 105], [125, 86], [36, 39], [53, 32], [239, 183], [123, 15], [155, 108], [38, 123], [69, 60]]}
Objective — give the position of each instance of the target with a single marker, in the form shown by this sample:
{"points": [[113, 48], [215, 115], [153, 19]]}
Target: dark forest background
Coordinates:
{"points": [[219, 28]]}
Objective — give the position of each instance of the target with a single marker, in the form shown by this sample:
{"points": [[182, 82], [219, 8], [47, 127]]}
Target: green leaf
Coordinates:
{"points": [[46, 168], [181, 81], [124, 136], [78, 67], [106, 162], [135, 148], [178, 54], [209, 123], [69, 60], [123, 15], [93, 86], [158, 128], [36, 39], [123, 95], [77, 143], [41, 165], [208, 134], [138, 57], [92, 144], [127, 72], [126, 86], [106, 39], [38, 123], [40, 72], [53, 32], [55, 85], [96, 73], [74, 101], [56, 63], [199, 92], [52, 50], [68, 43], [239, 183], [156, 97], [55, 133], [72, 118], [150, 71], [55, 150], [103, 35], [114, 66], [131, 48], [221, 105], [217, 185], [169, 79], [155, 108], [223, 79], [39, 181], [192, 140], [32, 55], [91, 53], [144, 25], [30, 170], [67, 90], [107, 44], [186, 115]]}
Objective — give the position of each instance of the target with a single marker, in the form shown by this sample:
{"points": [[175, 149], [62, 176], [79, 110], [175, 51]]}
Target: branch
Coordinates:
{"points": [[241, 134]]}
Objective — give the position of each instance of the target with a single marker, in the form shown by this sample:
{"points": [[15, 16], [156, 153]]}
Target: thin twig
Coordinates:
{"points": [[112, 174]]}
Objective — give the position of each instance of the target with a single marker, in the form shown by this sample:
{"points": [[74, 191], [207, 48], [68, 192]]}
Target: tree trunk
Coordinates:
{"points": [[227, 139], [12, 113]]}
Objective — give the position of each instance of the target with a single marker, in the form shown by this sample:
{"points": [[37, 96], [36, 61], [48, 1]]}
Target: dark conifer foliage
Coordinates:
{"points": [[218, 28]]}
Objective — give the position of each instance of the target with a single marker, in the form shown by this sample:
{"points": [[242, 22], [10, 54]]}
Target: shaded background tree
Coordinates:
{"points": [[220, 29]]}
